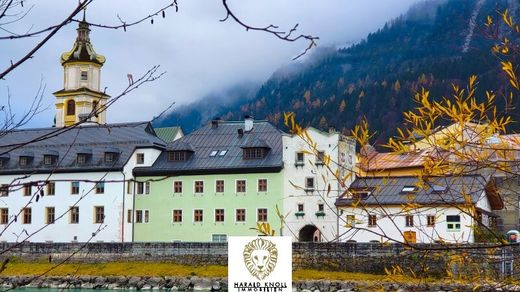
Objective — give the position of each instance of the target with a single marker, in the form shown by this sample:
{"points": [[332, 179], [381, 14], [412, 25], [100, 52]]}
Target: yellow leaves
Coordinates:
{"points": [[361, 133], [506, 17], [264, 229], [507, 67], [489, 21]]}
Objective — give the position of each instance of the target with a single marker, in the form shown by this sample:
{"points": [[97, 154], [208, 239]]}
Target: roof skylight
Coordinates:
{"points": [[213, 153]]}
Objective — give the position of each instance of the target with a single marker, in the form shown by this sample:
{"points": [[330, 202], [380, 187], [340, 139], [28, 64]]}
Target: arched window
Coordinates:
{"points": [[71, 108], [95, 108]]}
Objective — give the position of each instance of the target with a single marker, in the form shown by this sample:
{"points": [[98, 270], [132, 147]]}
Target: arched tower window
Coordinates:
{"points": [[95, 107], [71, 108]]}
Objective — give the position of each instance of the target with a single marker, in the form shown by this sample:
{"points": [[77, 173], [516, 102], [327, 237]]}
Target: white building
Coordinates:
{"points": [[66, 187], [73, 181], [402, 209], [308, 204]]}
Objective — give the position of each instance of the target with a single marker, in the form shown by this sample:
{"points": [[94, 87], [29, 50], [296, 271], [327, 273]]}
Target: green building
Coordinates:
{"points": [[218, 181]]}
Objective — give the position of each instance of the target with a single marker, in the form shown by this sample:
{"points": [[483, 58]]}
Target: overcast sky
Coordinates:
{"points": [[199, 54]]}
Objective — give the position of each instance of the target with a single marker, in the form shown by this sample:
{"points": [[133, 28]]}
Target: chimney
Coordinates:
{"points": [[332, 130], [240, 133], [248, 123], [214, 122]]}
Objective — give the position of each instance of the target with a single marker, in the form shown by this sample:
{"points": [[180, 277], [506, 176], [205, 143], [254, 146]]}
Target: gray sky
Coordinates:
{"points": [[199, 54]]}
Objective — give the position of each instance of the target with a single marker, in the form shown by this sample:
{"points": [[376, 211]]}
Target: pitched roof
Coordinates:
{"points": [[167, 134], [392, 160], [435, 191], [68, 142], [226, 145]]}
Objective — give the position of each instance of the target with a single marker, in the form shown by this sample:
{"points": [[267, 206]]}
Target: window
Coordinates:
{"points": [[300, 208], [4, 190], [199, 186], [95, 106], [408, 189], [142, 216], [309, 183], [84, 75], [3, 162], [71, 108], [74, 215], [219, 215], [198, 215], [50, 215], [320, 157], [241, 186], [219, 237], [51, 189], [372, 220], [321, 208], [74, 187], [49, 159], [350, 220], [409, 221], [430, 220], [253, 153], [27, 189], [213, 153], [81, 158], [262, 215], [143, 188], [240, 215], [129, 214], [110, 157], [453, 222], [177, 156], [99, 214], [177, 187], [262, 185], [129, 187], [177, 216], [100, 187], [439, 189], [219, 186], [222, 153], [27, 216], [139, 158], [24, 160], [300, 156], [4, 216]]}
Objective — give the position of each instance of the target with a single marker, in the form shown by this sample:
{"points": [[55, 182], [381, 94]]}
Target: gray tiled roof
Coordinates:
{"points": [[389, 190], [222, 138], [123, 138]]}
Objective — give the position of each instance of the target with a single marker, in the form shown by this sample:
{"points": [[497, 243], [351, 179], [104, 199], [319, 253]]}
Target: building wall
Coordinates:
{"points": [[63, 230], [391, 224], [342, 155], [509, 190], [162, 201]]}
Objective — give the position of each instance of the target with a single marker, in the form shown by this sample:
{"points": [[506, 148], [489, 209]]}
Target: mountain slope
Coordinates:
{"points": [[435, 44]]}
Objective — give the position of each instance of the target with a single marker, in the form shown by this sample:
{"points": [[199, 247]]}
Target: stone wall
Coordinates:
{"points": [[352, 257]]}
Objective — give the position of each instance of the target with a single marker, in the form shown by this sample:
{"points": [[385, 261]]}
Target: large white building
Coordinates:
{"points": [[73, 182], [309, 205]]}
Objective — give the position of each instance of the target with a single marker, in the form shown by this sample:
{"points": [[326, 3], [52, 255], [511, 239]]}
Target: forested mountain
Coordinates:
{"points": [[432, 46]]}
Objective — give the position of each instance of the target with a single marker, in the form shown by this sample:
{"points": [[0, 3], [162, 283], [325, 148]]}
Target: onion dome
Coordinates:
{"points": [[82, 51]]}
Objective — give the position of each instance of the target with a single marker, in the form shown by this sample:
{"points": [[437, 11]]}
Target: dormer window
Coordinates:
{"points": [[50, 157], [84, 156], [110, 157], [177, 155], [81, 158], [254, 153], [4, 160], [84, 75], [25, 159]]}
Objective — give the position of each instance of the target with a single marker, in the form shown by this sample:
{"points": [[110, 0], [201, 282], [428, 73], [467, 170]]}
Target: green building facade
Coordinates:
{"points": [[219, 181], [178, 211]]}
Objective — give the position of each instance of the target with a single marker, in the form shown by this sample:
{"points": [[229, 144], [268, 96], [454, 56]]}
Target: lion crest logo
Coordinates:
{"points": [[260, 256]]}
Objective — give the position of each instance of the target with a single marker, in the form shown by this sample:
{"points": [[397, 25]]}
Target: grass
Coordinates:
{"points": [[18, 268]]}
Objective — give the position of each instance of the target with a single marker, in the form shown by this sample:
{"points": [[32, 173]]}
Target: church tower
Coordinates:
{"points": [[81, 96]]}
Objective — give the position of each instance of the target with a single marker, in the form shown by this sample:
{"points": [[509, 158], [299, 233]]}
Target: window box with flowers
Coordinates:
{"points": [[299, 214]]}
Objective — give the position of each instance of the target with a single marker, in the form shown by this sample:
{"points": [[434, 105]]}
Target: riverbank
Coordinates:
{"points": [[171, 276]]}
